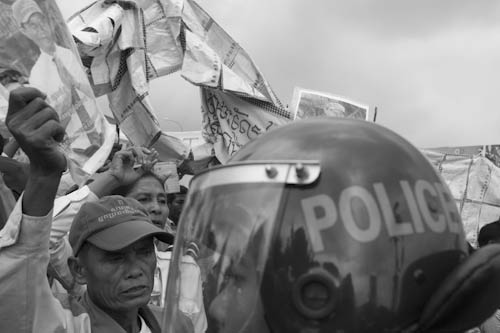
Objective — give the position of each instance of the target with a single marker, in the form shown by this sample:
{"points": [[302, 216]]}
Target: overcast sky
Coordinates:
{"points": [[432, 67]]}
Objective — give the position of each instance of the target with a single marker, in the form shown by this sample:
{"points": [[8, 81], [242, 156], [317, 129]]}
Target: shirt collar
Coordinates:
{"points": [[100, 321]]}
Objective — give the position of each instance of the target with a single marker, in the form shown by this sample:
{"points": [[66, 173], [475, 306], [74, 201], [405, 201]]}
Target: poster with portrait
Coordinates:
{"points": [[310, 103], [37, 50]]}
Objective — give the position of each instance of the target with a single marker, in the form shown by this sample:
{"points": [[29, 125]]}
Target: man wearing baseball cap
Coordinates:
{"points": [[114, 255], [112, 243]]}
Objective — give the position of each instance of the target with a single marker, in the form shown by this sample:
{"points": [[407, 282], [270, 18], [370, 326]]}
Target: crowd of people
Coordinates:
{"points": [[304, 230]]}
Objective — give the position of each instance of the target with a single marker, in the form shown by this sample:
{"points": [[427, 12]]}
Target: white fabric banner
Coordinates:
{"points": [[55, 68], [229, 122], [474, 182], [112, 45], [125, 46]]}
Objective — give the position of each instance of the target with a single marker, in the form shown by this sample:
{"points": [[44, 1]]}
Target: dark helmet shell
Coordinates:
{"points": [[364, 247]]}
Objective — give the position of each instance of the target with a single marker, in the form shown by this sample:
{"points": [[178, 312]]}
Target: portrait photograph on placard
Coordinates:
{"points": [[310, 103]]}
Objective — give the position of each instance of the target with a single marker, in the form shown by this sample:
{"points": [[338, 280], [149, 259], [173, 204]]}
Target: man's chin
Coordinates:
{"points": [[136, 297], [136, 302], [159, 224], [124, 304]]}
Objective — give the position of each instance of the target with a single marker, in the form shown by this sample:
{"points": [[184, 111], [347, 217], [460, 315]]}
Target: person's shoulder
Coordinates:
{"points": [[152, 315], [156, 311]]}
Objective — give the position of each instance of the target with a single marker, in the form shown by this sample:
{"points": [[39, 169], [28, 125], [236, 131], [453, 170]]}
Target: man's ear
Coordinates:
{"points": [[78, 270]]}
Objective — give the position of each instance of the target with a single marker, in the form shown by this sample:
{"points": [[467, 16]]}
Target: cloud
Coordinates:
{"points": [[404, 18], [432, 67], [428, 65]]}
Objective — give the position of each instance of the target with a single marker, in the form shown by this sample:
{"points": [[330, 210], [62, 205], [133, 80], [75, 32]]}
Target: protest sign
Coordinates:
{"points": [[214, 60], [310, 103], [40, 52], [123, 48], [159, 38], [474, 181], [229, 122], [111, 44], [238, 103], [17, 51]]}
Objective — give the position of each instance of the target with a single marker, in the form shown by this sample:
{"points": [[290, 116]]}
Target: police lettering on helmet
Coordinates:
{"points": [[326, 225]]}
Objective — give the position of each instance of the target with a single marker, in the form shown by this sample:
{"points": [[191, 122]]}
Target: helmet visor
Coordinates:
{"points": [[221, 249]]}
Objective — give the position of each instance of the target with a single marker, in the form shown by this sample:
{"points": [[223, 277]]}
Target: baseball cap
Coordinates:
{"points": [[23, 9], [489, 233], [113, 223]]}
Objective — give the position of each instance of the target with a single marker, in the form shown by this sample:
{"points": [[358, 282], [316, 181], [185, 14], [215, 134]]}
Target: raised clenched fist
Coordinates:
{"points": [[35, 126]]}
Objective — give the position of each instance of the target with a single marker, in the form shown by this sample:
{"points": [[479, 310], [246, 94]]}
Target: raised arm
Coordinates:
{"points": [[27, 304], [36, 128], [126, 168]]}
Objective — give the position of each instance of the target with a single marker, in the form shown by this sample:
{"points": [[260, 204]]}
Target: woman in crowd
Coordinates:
{"points": [[120, 174]]}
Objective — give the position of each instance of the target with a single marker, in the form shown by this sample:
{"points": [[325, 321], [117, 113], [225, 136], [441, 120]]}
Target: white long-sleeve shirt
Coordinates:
{"points": [[27, 303]]}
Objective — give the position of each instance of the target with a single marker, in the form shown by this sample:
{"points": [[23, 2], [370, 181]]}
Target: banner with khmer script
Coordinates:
{"points": [[124, 47], [229, 122]]}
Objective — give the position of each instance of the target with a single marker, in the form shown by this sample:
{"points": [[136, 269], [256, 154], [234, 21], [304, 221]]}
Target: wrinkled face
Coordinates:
{"points": [[121, 280], [150, 193], [238, 308], [39, 31], [176, 207]]}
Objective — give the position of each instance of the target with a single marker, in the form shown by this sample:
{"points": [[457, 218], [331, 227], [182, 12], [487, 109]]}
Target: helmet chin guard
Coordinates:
{"points": [[469, 293]]}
